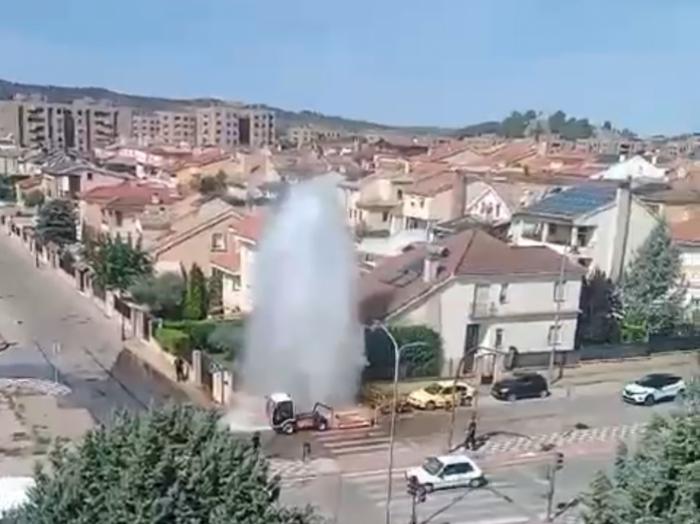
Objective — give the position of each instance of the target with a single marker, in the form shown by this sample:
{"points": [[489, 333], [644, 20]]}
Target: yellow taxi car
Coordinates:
{"points": [[440, 395]]}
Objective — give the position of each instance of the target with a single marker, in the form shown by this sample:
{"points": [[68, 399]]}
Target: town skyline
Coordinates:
{"points": [[436, 74]]}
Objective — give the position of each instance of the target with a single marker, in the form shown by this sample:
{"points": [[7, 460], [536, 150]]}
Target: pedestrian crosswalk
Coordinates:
{"points": [[358, 441], [502, 501]]}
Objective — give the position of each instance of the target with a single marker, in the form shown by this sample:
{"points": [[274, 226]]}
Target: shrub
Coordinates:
{"points": [[161, 293], [173, 340], [421, 361], [226, 338], [34, 198]]}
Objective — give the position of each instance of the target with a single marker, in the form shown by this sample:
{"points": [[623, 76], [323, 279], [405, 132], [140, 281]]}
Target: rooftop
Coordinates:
{"points": [[573, 202], [398, 281], [130, 194]]}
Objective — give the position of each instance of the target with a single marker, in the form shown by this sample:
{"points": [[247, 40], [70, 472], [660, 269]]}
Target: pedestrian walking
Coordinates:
{"points": [[179, 369], [470, 438], [305, 451]]}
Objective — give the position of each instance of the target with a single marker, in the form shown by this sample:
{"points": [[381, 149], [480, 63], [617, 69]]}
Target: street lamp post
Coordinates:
{"points": [[392, 428], [558, 299]]}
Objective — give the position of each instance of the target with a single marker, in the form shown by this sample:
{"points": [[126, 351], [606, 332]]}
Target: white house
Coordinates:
{"points": [[686, 236], [495, 201], [636, 169], [484, 297], [599, 226]]}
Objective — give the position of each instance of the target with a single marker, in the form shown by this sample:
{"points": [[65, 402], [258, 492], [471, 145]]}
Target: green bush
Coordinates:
{"points": [[421, 361], [200, 334], [227, 338], [173, 340]]}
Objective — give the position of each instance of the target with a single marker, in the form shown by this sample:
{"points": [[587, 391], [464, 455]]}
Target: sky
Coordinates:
{"points": [[408, 62]]}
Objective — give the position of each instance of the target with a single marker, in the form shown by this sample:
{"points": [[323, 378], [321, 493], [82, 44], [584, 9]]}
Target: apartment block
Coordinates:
{"points": [[256, 126], [217, 126], [81, 125]]}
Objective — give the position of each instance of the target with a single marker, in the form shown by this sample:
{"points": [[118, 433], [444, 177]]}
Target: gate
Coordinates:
{"points": [[207, 373]]}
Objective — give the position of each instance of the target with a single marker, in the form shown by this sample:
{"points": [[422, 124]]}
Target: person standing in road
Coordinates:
{"points": [[470, 438], [255, 441]]}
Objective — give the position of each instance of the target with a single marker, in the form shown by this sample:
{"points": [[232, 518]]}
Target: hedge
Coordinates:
{"points": [[415, 362], [212, 336], [173, 341]]}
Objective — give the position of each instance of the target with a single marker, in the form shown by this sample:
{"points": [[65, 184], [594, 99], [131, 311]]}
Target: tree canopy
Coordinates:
{"points": [[601, 309], [163, 293], [56, 222], [196, 304], [176, 465], [660, 481], [653, 290], [117, 264]]}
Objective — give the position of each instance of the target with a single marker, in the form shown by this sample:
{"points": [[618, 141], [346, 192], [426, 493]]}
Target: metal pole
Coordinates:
{"points": [[550, 492], [558, 299], [392, 427]]}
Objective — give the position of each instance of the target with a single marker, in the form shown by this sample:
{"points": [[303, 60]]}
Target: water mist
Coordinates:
{"points": [[303, 337]]}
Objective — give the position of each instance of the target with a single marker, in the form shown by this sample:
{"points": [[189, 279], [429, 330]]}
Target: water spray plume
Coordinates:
{"points": [[303, 336]]}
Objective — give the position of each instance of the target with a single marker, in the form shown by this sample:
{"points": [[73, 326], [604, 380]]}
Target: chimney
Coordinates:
{"points": [[459, 195], [623, 201], [431, 264]]}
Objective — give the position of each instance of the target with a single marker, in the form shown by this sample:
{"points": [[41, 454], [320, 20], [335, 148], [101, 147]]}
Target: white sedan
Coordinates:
{"points": [[447, 471], [653, 388]]}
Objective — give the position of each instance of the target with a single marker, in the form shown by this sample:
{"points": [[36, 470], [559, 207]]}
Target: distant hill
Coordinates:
{"points": [[285, 118]]}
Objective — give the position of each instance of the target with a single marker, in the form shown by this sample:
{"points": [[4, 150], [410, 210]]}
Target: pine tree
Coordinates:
{"points": [[601, 504], [57, 223], [653, 290], [177, 465], [215, 293], [196, 303]]}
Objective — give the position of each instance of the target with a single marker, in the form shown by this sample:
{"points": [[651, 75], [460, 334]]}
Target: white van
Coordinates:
{"points": [[447, 471]]}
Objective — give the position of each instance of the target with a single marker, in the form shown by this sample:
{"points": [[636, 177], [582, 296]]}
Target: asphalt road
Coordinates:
{"points": [[59, 333]]}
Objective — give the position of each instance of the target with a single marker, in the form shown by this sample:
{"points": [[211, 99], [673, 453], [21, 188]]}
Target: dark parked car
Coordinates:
{"points": [[521, 385]]}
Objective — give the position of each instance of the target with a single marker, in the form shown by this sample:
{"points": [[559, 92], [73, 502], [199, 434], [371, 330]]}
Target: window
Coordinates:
{"points": [[385, 216], [218, 242], [498, 338], [503, 294], [399, 194], [554, 335], [119, 218], [89, 176], [559, 291]]}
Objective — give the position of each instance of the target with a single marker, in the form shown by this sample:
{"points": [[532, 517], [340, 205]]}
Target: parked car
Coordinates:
{"points": [[440, 395], [520, 385], [447, 471], [652, 388]]}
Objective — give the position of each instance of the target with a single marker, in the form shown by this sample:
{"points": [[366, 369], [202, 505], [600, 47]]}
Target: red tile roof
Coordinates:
{"points": [[398, 281], [251, 226], [130, 194], [229, 261], [29, 183], [433, 184], [686, 232]]}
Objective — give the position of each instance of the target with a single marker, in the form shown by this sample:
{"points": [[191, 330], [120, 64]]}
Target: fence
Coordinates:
{"points": [[656, 344]]}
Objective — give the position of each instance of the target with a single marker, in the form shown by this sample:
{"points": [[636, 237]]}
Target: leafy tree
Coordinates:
{"points": [[34, 198], [163, 293], [227, 338], [57, 222], [607, 125], [653, 290], [660, 481], [603, 504], [557, 121], [211, 185], [419, 361], [117, 264], [600, 309], [574, 129], [215, 293], [195, 306], [177, 465], [514, 125]]}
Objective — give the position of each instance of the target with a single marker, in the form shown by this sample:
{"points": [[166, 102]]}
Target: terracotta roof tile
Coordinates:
{"points": [[130, 194], [432, 185], [398, 281], [251, 226], [230, 260]]}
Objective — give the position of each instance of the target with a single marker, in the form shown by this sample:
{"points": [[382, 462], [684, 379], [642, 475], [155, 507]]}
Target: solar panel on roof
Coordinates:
{"points": [[574, 201]]}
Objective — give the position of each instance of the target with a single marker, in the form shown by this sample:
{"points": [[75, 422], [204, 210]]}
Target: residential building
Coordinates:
{"points": [[66, 176], [486, 299], [373, 203], [432, 199], [636, 169], [494, 202], [81, 125], [306, 134], [256, 126], [217, 126], [686, 236], [373, 249], [677, 201], [135, 211], [235, 263], [597, 225], [200, 230]]}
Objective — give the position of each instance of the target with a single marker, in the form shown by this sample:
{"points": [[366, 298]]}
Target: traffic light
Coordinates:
{"points": [[558, 461]]}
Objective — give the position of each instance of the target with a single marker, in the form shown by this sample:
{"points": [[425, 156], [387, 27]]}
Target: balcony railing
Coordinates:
{"points": [[484, 309]]}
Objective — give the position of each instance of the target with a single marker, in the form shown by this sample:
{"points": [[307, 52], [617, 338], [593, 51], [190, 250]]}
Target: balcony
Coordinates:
{"points": [[484, 309]]}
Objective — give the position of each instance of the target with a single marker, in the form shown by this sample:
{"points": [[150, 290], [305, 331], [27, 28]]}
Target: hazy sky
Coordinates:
{"points": [[442, 62]]}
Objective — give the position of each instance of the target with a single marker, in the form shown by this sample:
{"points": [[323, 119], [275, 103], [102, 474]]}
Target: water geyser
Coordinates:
{"points": [[303, 336]]}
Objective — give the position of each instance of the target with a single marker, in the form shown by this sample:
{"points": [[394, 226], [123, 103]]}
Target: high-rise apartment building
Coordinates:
{"points": [[256, 126], [81, 125], [217, 126]]}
